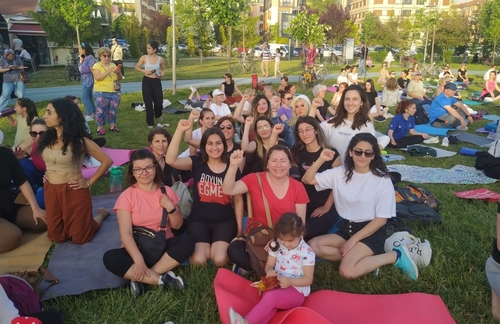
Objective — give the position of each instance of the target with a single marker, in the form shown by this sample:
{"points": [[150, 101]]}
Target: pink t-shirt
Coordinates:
{"points": [[144, 207], [296, 194], [38, 162]]}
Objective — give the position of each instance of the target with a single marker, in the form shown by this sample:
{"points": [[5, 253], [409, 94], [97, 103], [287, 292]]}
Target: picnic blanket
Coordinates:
{"points": [[459, 174], [79, 267], [29, 255], [232, 290]]}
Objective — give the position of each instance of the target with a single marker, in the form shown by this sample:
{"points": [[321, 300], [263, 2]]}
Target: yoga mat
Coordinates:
{"points": [[482, 130], [459, 174], [492, 127], [392, 157], [441, 153], [427, 128], [182, 102], [79, 267], [468, 151], [28, 256], [472, 138], [119, 157], [491, 117], [472, 102], [481, 194], [171, 110], [328, 306]]}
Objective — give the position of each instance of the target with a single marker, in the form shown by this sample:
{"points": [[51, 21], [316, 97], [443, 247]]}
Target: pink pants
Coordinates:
{"points": [[272, 301]]}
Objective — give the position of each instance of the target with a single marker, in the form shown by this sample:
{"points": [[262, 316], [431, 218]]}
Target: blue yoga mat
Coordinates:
{"points": [[472, 102], [427, 128], [492, 127], [491, 117]]}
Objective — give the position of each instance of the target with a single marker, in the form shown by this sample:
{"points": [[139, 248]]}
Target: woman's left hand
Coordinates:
{"points": [[284, 282], [347, 246], [39, 213], [76, 184], [320, 211]]}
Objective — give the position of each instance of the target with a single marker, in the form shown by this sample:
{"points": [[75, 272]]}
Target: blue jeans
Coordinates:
{"points": [[88, 101], [361, 67], [7, 89]]}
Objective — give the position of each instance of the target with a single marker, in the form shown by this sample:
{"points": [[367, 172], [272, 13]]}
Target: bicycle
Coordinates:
{"points": [[71, 72], [308, 77], [430, 70], [335, 60], [245, 65]]}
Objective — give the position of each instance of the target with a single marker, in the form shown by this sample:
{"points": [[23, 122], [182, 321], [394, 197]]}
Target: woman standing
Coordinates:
{"points": [[106, 94], [309, 143], [142, 204], [229, 87], [364, 198], [67, 192], [154, 70], [10, 66], [283, 194], [213, 222], [87, 60]]}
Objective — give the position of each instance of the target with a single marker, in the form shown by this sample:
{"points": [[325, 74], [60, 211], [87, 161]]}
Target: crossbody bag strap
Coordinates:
{"points": [[48, 277], [266, 205], [164, 217], [106, 70]]}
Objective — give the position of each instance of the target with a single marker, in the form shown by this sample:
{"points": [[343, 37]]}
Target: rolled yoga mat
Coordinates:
{"points": [[468, 151]]}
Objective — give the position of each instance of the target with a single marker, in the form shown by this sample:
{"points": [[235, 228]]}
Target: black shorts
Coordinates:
{"points": [[210, 233], [12, 216], [375, 241]]}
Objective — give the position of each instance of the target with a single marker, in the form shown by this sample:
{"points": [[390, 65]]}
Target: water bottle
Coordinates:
{"points": [[116, 179], [7, 112]]}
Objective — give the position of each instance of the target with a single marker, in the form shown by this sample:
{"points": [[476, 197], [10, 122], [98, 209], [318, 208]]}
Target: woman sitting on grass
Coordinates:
{"points": [[142, 204], [376, 109], [26, 112], [213, 222], [336, 98], [206, 120], [403, 123], [364, 198], [390, 94]]}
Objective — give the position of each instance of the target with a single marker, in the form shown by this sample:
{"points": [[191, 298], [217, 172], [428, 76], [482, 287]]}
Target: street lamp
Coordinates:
{"points": [[174, 51]]}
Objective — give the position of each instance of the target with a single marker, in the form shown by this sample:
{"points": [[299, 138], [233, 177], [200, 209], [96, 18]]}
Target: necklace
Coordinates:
{"points": [[54, 159]]}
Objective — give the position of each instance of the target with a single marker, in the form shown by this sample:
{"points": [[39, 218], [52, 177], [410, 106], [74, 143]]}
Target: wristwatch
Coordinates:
{"points": [[171, 211]]}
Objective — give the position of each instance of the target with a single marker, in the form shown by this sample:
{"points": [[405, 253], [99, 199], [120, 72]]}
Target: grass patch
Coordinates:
{"points": [[461, 245]]}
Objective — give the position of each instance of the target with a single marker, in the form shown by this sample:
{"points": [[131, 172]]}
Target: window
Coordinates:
{"points": [[406, 1], [405, 13], [420, 2], [286, 3]]}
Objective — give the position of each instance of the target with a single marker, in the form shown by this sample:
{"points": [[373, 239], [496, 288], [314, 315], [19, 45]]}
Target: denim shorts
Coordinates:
{"points": [[492, 269], [375, 241]]}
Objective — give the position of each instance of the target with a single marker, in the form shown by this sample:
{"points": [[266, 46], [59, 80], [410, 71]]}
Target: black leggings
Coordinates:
{"points": [[153, 99], [237, 253], [118, 261], [407, 140], [316, 226]]}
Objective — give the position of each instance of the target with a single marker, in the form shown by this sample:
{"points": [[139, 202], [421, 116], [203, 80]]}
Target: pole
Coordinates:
{"points": [[432, 48], [426, 42], [174, 52]]}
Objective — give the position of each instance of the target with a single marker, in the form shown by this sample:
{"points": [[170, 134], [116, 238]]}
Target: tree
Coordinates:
{"points": [[272, 35], [370, 29], [489, 22], [157, 23], [64, 20], [338, 23], [452, 31], [305, 28]]}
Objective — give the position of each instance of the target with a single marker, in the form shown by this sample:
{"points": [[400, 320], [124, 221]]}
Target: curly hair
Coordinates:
{"points": [[377, 166], [403, 106], [72, 124], [361, 117]]}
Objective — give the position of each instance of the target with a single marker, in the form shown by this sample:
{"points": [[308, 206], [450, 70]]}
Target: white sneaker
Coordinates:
{"points": [[193, 89], [432, 140], [188, 107], [162, 125], [140, 108], [88, 118]]}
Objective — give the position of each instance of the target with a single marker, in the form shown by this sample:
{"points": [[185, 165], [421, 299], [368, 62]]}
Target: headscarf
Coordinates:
{"points": [[8, 62]]}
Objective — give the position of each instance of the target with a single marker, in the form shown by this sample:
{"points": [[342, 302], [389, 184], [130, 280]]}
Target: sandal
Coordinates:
{"points": [[101, 132], [114, 129]]}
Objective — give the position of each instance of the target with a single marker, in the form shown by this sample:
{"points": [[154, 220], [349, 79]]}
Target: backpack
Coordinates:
{"points": [[414, 211], [21, 293], [420, 150], [256, 240], [421, 116], [186, 201], [414, 193]]}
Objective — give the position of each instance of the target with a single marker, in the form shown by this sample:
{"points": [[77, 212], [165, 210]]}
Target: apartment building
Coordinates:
{"points": [[274, 8]]}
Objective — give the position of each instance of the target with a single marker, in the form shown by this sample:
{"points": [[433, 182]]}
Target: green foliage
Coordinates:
{"points": [[133, 37], [306, 29], [190, 43], [337, 22], [452, 31], [273, 35], [222, 36], [193, 20], [419, 57], [489, 21], [370, 30], [448, 56], [145, 40], [245, 32]]}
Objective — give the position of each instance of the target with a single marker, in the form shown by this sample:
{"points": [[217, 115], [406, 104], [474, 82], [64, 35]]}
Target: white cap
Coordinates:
{"points": [[217, 92]]}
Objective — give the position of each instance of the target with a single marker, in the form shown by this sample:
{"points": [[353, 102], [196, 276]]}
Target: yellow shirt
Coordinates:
{"points": [[105, 85]]}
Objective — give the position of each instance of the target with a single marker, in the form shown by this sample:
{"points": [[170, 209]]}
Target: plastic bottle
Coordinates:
{"points": [[116, 179], [445, 142], [7, 112]]}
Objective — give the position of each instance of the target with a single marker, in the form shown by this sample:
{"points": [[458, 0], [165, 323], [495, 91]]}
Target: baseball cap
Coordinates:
{"points": [[451, 86], [217, 92], [417, 73]]}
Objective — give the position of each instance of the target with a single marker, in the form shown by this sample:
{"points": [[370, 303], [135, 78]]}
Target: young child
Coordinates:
{"points": [[277, 61], [26, 113], [293, 263]]}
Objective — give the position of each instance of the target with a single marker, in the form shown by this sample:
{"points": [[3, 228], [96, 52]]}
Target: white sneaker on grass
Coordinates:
{"points": [[236, 318], [171, 281], [432, 140], [405, 263]]}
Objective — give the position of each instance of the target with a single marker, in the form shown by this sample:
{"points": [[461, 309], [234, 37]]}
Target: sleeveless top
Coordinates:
{"points": [[56, 161], [228, 88], [490, 87], [149, 66]]}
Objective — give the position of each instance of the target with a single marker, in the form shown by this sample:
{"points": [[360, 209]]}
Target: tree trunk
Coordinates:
{"points": [[77, 36], [494, 51], [229, 50], [201, 57]]}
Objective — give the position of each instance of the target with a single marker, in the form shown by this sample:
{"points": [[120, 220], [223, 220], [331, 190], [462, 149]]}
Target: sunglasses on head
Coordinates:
{"points": [[228, 127], [35, 134], [367, 154]]}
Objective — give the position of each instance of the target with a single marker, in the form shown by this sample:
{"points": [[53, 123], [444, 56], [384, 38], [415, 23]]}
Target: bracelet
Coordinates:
{"points": [[171, 211], [88, 185]]}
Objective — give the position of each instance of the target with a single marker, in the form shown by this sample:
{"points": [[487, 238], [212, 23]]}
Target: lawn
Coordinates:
{"points": [[461, 245]]}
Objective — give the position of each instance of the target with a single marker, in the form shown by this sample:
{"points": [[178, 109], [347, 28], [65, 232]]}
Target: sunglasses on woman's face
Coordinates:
{"points": [[367, 154], [228, 127], [35, 134]]}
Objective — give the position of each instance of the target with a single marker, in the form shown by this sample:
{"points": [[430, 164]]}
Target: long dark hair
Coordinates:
{"points": [[73, 129], [143, 154], [230, 77], [361, 117], [204, 140], [320, 136], [372, 88], [30, 109], [88, 49], [258, 140], [377, 166]]}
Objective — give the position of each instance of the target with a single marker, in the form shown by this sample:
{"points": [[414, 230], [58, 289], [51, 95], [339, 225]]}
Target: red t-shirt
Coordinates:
{"points": [[296, 194], [144, 207], [37, 160]]}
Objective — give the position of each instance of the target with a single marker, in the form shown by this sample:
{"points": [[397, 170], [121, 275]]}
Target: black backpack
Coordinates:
{"points": [[421, 116], [418, 213], [420, 150]]}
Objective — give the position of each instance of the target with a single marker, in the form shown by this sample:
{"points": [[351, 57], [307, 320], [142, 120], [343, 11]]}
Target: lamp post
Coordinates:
{"points": [[174, 51]]}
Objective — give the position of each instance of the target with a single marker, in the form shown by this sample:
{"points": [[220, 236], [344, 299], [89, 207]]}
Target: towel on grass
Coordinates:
{"points": [[458, 174]]}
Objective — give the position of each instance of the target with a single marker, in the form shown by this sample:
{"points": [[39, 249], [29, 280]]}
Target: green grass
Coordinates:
{"points": [[461, 245]]}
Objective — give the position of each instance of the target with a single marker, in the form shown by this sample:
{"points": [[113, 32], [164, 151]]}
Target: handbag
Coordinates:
{"points": [[152, 244], [257, 236], [117, 86], [24, 77]]}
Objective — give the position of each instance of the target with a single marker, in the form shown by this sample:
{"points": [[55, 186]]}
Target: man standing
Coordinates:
{"points": [[446, 110], [362, 57], [266, 57], [117, 55], [16, 43]]}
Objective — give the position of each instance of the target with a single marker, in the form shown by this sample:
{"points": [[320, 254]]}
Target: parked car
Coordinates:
{"points": [[337, 50], [217, 48], [182, 47], [257, 51]]}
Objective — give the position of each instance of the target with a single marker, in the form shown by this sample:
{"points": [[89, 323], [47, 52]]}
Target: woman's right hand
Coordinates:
{"points": [[393, 142], [194, 114], [184, 125], [327, 155], [249, 121], [236, 158], [139, 271]]}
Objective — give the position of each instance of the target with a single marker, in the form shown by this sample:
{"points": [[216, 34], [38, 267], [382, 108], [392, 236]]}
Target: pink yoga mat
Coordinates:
{"points": [[119, 157], [482, 194], [327, 306]]}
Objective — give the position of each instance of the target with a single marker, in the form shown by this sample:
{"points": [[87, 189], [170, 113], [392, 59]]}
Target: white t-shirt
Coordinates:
{"points": [[291, 263], [221, 111], [363, 198], [196, 135], [247, 107], [339, 137], [342, 78], [354, 76]]}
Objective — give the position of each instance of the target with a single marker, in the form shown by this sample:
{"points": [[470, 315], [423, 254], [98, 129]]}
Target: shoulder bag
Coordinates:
{"points": [[152, 244], [257, 236], [24, 77]]}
